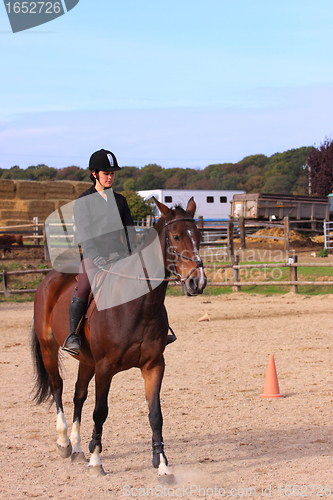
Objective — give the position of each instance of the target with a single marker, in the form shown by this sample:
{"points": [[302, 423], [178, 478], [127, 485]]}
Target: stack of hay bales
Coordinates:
{"points": [[8, 209], [21, 201], [7, 190]]}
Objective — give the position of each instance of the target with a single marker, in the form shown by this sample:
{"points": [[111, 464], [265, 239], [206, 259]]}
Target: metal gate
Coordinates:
{"points": [[328, 234]]}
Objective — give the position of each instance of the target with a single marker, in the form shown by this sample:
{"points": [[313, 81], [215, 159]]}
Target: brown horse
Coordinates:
{"points": [[6, 240], [132, 334]]}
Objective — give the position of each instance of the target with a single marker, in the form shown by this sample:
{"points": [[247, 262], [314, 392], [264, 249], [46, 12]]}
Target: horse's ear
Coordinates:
{"points": [[165, 211], [191, 207]]}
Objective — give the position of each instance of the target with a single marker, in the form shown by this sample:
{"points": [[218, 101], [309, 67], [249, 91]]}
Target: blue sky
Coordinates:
{"points": [[181, 83]]}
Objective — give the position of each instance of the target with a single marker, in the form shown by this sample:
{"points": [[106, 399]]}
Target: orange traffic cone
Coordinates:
{"points": [[271, 388]]}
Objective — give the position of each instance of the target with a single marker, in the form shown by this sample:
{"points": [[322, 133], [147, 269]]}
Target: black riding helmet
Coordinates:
{"points": [[102, 160]]}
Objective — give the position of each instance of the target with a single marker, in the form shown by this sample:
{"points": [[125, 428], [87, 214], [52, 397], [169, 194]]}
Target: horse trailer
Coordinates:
{"points": [[211, 204]]}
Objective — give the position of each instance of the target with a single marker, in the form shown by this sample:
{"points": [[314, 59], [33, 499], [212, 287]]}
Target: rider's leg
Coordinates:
{"points": [[77, 308]]}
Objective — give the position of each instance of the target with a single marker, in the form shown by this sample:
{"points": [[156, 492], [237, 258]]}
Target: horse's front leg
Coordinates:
{"points": [[103, 377], [153, 376]]}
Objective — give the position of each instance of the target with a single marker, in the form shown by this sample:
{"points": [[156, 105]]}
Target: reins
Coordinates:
{"points": [[168, 246]]}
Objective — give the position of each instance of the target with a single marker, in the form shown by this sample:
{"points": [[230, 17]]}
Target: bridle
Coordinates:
{"points": [[179, 279], [169, 248]]}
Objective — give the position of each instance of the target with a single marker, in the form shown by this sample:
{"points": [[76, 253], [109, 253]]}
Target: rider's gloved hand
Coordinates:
{"points": [[99, 261]]}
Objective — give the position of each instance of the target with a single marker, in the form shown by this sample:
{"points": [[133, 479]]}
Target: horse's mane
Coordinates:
{"points": [[179, 208]]}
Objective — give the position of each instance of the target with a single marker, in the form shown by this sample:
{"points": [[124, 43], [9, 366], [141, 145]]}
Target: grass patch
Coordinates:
{"points": [[308, 272], [21, 282], [18, 298]]}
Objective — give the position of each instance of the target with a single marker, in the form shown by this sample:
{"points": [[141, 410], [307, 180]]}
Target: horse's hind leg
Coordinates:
{"points": [[103, 377], [63, 443], [45, 354], [153, 380], [85, 374]]}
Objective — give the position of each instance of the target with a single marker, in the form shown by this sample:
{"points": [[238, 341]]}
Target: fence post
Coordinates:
{"points": [[36, 221], [231, 239], [200, 222], [47, 257], [286, 234], [149, 220], [5, 283], [235, 273], [293, 274], [242, 232]]}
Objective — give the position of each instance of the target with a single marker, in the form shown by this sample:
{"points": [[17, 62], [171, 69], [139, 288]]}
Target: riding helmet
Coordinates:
{"points": [[103, 160]]}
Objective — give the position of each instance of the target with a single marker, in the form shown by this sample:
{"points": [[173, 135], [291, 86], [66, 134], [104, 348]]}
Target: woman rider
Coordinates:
{"points": [[105, 228]]}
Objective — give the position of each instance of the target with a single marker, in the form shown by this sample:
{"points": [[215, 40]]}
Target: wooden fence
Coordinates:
{"points": [[235, 283], [5, 278], [230, 229], [242, 228], [34, 231], [293, 281]]}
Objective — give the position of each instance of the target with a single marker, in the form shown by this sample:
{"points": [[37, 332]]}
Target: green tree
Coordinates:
{"points": [[149, 180], [14, 172], [254, 184], [124, 175], [129, 185], [139, 207], [259, 161], [302, 185], [278, 184], [289, 164], [40, 173]]}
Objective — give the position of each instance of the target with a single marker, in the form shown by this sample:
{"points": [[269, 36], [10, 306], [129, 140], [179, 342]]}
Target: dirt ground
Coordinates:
{"points": [[222, 440]]}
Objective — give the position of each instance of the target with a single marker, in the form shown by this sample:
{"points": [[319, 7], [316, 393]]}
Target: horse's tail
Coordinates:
{"points": [[42, 388]]}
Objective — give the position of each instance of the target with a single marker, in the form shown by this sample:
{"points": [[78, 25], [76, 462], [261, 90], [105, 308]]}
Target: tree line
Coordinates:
{"points": [[291, 172]]}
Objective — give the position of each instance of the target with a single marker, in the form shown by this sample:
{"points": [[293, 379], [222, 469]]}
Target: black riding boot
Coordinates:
{"points": [[77, 309]]}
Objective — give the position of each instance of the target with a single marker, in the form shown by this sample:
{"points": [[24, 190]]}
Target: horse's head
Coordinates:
{"points": [[182, 241]]}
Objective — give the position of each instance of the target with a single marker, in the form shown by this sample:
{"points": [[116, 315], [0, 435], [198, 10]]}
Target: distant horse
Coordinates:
{"points": [[132, 334], [6, 240]]}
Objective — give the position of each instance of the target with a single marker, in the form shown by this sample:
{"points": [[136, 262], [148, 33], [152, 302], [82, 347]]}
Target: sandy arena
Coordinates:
{"points": [[222, 440]]}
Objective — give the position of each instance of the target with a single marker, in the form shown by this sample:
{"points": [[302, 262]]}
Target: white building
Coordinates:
{"points": [[211, 204]]}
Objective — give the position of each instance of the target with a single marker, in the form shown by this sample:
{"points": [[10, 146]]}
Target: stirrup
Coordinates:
{"points": [[72, 349]]}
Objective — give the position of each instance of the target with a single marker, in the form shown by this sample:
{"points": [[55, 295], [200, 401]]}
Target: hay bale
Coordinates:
{"points": [[56, 190], [30, 190], [7, 204], [80, 187], [14, 222], [12, 214], [38, 208], [7, 189], [60, 203]]}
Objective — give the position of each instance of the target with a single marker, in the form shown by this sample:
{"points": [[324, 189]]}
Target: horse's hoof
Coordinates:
{"points": [[96, 470], [65, 452], [78, 458], [167, 479]]}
